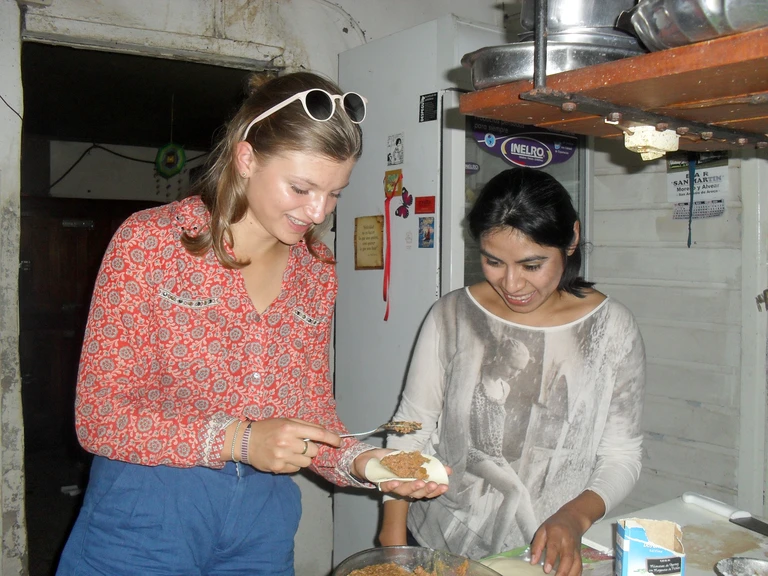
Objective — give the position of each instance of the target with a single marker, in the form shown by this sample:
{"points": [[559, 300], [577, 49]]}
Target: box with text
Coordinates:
{"points": [[649, 547]]}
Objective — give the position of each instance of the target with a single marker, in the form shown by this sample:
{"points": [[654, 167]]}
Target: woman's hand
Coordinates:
{"points": [[278, 444], [416, 489], [558, 539]]}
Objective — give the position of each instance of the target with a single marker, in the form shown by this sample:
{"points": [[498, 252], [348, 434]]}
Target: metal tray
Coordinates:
{"points": [[740, 566], [606, 38], [496, 65]]}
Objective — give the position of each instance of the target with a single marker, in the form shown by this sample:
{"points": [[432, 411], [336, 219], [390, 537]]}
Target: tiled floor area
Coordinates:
{"points": [[50, 512]]}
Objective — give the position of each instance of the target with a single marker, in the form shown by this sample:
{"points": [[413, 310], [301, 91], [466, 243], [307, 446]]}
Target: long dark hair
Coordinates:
{"points": [[537, 205]]}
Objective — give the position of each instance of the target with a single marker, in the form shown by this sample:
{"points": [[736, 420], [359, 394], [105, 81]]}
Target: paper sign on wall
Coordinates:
{"points": [[425, 205], [428, 107], [395, 149], [393, 183], [369, 243], [710, 185], [427, 232]]}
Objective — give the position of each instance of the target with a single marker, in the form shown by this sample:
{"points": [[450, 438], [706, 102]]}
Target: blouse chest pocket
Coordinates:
{"points": [[303, 318], [187, 326], [304, 331]]}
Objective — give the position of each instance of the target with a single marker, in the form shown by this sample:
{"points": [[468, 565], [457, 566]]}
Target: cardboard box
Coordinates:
{"points": [[649, 547]]}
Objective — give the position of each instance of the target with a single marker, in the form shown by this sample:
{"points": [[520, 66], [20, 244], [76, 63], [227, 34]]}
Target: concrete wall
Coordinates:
{"points": [[13, 558], [287, 34]]}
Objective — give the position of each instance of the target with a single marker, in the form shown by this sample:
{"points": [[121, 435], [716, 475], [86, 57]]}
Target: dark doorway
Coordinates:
{"points": [[102, 98]]}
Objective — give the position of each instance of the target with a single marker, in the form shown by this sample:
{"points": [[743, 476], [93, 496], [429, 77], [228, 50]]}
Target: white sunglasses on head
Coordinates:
{"points": [[320, 105]]}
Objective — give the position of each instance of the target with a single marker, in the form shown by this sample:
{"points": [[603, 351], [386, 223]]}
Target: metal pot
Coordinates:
{"points": [[494, 65], [664, 24], [576, 14], [740, 566], [604, 39]]}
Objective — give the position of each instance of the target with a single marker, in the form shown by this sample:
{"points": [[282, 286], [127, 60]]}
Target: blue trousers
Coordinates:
{"points": [[164, 521]]}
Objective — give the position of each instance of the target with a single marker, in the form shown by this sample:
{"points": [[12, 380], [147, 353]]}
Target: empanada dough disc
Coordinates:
{"points": [[513, 567], [436, 472]]}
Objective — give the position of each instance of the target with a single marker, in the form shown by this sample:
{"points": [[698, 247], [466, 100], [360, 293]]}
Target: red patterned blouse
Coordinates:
{"points": [[174, 350]]}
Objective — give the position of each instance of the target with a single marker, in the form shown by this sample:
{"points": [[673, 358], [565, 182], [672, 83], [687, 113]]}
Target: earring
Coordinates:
{"points": [[244, 174]]}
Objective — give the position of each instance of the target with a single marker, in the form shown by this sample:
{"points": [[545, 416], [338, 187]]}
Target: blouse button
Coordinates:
{"points": [[256, 378]]}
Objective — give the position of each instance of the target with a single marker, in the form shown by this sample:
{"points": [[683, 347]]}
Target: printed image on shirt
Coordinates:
{"points": [[523, 417], [493, 454]]}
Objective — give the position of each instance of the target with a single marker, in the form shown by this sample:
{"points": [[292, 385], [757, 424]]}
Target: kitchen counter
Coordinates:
{"points": [[707, 537]]}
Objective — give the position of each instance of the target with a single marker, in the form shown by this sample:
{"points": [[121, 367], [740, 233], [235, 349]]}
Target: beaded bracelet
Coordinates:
{"points": [[234, 440], [245, 443]]}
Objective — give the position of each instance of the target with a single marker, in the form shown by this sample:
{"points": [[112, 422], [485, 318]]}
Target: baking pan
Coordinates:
{"points": [[496, 65], [740, 566]]}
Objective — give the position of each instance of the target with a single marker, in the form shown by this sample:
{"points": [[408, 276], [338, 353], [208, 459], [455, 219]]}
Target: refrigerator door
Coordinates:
{"points": [[371, 354], [404, 77]]}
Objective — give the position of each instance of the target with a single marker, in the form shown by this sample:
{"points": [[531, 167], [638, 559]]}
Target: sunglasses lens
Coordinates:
{"points": [[319, 105], [354, 105]]}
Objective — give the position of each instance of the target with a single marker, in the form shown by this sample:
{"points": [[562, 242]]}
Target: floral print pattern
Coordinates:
{"points": [[174, 349]]}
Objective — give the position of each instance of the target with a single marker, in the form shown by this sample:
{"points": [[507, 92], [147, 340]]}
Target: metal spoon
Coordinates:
{"points": [[395, 426]]}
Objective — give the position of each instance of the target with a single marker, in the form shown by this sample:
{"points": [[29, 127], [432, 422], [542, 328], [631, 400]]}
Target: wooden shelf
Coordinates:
{"points": [[722, 82]]}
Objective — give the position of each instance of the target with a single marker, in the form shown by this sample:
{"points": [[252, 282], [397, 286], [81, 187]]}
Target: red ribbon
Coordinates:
{"points": [[388, 252]]}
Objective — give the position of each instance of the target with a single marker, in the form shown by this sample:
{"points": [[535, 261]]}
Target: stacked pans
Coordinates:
{"points": [[664, 24], [580, 33]]}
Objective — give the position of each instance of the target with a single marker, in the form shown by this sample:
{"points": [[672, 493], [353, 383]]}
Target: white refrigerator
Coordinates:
{"points": [[413, 80]]}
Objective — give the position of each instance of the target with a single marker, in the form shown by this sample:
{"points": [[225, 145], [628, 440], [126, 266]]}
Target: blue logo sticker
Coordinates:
{"points": [[520, 146], [525, 151]]}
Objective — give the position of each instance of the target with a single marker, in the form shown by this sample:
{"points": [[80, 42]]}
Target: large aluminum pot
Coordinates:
{"points": [[576, 14], [664, 24], [409, 557]]}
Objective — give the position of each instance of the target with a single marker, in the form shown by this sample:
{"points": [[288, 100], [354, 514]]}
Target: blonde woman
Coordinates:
{"points": [[204, 378]]}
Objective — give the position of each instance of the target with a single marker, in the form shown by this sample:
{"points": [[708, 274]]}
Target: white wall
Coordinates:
{"points": [[689, 303]]}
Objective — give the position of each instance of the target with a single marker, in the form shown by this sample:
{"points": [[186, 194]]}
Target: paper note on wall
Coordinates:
{"points": [[369, 243]]}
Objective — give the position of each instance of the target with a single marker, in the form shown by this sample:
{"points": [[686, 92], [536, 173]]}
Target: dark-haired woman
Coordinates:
{"points": [[204, 379], [570, 437]]}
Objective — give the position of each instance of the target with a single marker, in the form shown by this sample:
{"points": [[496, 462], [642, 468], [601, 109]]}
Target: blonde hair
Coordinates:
{"points": [[222, 189]]}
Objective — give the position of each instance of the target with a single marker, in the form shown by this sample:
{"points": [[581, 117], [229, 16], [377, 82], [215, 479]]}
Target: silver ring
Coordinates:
{"points": [[306, 447]]}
